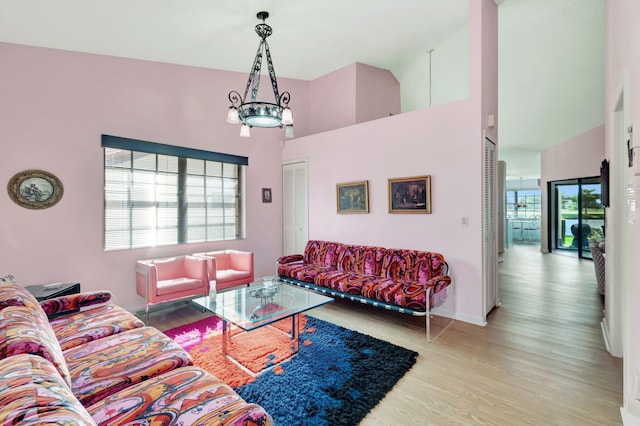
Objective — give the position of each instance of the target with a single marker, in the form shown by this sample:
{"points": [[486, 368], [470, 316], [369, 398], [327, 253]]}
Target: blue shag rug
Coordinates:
{"points": [[336, 378]]}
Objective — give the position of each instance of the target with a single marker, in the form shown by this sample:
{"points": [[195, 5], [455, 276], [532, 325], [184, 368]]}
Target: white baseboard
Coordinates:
{"points": [[471, 319], [629, 419], [605, 334]]}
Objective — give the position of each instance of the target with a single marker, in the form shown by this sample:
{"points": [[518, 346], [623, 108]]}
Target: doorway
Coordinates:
{"points": [[577, 215], [295, 220]]}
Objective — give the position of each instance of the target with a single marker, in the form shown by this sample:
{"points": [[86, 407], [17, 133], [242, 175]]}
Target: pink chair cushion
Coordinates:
{"points": [[231, 275], [177, 284]]}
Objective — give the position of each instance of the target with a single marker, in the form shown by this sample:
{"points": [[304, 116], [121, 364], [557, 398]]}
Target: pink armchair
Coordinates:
{"points": [[229, 268], [162, 280]]}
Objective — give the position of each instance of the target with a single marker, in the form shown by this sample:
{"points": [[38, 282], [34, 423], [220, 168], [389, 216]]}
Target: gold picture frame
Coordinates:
{"points": [[35, 189], [410, 195], [353, 197]]}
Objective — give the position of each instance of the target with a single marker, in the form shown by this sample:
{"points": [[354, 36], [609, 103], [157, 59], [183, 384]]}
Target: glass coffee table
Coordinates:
{"points": [[259, 305]]}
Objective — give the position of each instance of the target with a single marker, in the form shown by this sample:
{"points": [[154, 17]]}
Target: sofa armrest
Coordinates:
{"points": [[289, 258], [212, 266], [438, 283], [74, 302]]}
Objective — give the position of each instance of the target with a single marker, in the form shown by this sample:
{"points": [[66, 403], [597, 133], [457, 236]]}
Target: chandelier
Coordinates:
{"points": [[251, 112]]}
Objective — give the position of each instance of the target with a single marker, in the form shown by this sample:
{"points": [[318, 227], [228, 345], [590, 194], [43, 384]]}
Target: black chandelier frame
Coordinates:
{"points": [[249, 110]]}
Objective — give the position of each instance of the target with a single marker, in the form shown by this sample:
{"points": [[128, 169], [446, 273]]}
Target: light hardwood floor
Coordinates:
{"points": [[540, 360]]}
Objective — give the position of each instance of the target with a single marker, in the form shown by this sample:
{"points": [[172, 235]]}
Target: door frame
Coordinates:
{"points": [[552, 189]]}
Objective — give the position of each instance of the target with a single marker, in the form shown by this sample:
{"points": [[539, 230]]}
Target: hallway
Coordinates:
{"points": [[551, 311]]}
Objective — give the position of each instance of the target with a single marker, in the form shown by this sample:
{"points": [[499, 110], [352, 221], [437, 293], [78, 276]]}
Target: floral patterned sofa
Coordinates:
{"points": [[407, 281], [100, 365]]}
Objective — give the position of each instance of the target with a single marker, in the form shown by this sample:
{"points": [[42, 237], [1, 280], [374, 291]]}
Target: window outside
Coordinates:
{"points": [[155, 199]]}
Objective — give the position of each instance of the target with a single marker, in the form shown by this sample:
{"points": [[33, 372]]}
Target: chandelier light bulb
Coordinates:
{"points": [[232, 115], [244, 131], [287, 116], [288, 131]]}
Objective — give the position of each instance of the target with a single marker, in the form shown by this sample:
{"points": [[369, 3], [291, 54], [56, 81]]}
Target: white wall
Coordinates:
{"points": [[551, 76], [449, 73], [623, 244]]}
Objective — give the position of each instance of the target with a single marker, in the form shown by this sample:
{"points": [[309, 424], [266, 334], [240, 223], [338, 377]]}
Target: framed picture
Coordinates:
{"points": [[266, 195], [35, 189], [410, 195], [353, 197]]}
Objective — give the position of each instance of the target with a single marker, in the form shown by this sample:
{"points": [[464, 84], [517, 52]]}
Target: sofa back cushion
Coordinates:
{"points": [[28, 331], [170, 268], [412, 265], [367, 260], [12, 294], [324, 253], [223, 261], [32, 392]]}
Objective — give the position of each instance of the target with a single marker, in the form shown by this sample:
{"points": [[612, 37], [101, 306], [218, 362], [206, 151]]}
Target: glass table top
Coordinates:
{"points": [[258, 304]]}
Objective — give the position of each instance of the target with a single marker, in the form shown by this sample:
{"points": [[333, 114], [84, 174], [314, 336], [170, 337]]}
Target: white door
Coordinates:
{"points": [[295, 207], [489, 227]]}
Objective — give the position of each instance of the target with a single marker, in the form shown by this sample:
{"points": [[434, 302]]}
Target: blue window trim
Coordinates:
{"points": [[117, 142]]}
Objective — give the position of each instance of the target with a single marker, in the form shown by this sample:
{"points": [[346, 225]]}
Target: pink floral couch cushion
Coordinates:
{"points": [[12, 294], [324, 253], [105, 366], [93, 324], [186, 396], [306, 272], [75, 302], [33, 393], [27, 331], [367, 260], [412, 265], [346, 282]]}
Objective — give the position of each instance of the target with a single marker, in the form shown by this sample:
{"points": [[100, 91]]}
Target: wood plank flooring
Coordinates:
{"points": [[541, 359]]}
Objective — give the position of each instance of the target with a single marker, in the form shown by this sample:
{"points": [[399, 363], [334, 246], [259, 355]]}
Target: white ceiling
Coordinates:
{"points": [[544, 54]]}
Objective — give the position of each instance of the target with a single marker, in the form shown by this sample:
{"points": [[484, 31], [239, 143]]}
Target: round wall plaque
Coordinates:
{"points": [[35, 189]]}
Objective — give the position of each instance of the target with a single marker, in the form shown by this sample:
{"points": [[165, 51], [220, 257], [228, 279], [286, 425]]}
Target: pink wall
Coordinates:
{"points": [[489, 68], [333, 100], [577, 157], [353, 94], [56, 104], [377, 93], [432, 142], [443, 141]]}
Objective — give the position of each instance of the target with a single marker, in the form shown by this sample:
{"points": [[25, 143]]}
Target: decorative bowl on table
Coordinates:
{"points": [[268, 281], [265, 294]]}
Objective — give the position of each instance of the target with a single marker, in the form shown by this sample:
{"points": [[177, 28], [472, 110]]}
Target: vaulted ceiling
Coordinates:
{"points": [[551, 72]]}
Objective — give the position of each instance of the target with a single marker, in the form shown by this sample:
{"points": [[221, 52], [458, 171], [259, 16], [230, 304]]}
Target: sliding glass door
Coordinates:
{"points": [[577, 213]]}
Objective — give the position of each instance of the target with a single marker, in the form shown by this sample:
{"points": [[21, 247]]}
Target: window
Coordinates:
{"points": [[159, 194], [524, 204]]}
